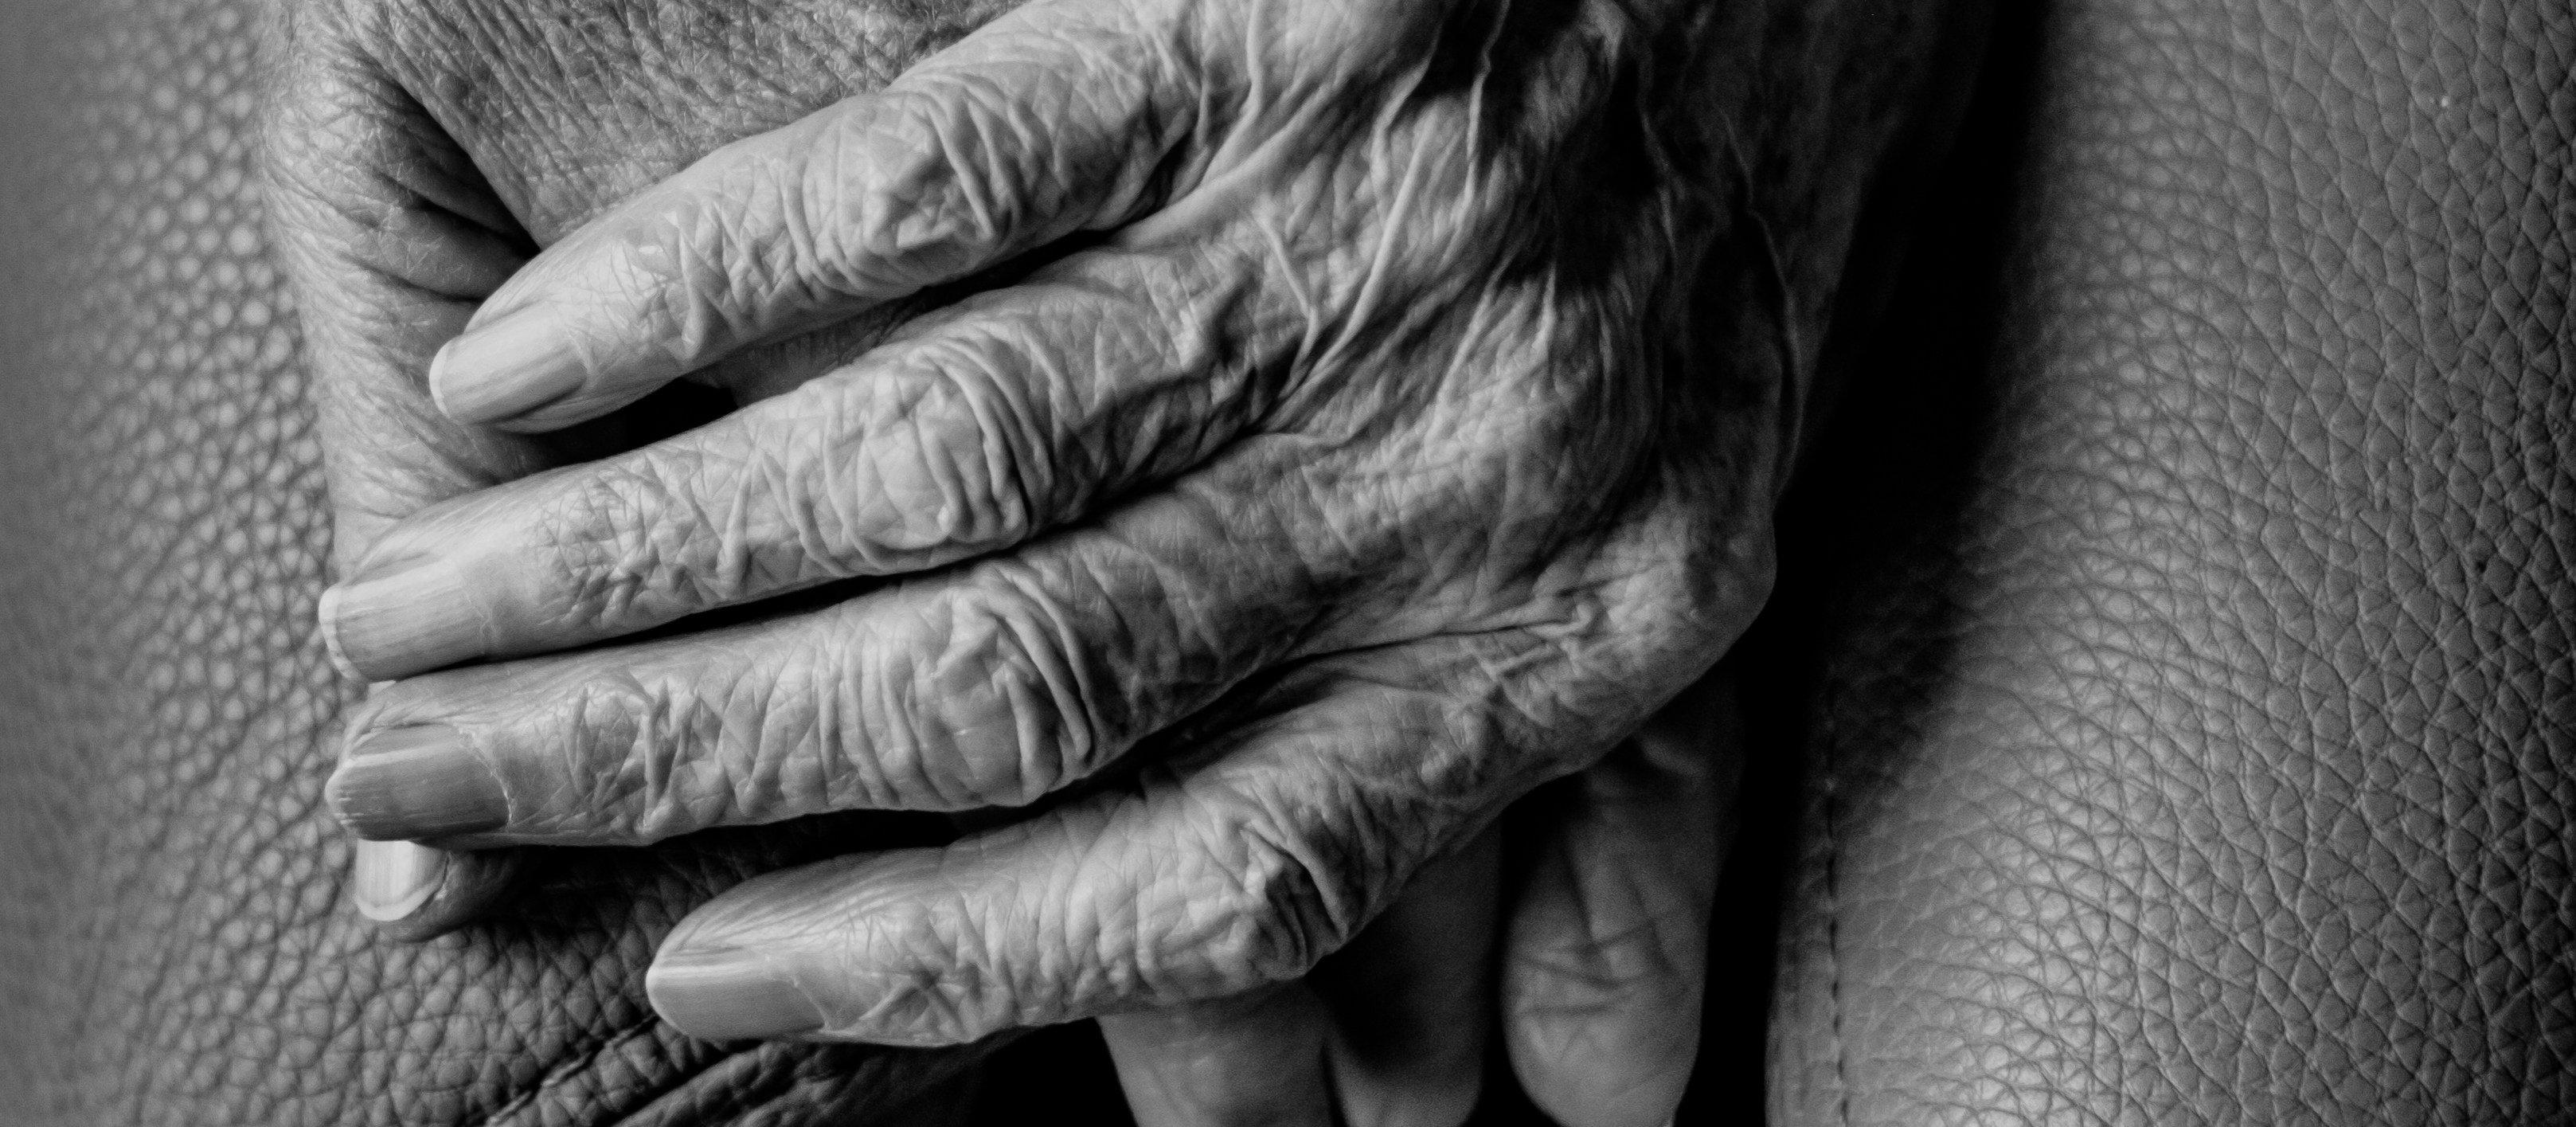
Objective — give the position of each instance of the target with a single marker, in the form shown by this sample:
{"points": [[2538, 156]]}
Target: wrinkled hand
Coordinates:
{"points": [[1394, 298], [1358, 438]]}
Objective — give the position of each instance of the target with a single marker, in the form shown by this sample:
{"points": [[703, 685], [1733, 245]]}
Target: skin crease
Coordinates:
{"points": [[1427, 505]]}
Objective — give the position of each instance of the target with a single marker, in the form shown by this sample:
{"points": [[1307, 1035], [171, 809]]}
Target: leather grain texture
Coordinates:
{"points": [[178, 946], [2203, 749]]}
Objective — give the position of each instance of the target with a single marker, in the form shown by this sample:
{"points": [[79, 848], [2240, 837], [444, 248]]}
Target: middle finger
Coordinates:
{"points": [[991, 422]]}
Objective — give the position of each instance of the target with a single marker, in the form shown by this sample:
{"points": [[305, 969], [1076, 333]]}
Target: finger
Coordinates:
{"points": [[1605, 955], [979, 428], [1048, 121], [1255, 1060], [992, 685], [1413, 997], [1235, 867]]}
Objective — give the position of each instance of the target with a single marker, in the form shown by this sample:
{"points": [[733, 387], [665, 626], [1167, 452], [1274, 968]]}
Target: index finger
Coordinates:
{"points": [[1048, 121]]}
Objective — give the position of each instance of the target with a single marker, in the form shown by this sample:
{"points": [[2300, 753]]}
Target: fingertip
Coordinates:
{"points": [[391, 880], [326, 614], [414, 893], [506, 369], [419, 781], [720, 993], [417, 613], [440, 365], [845, 949]]}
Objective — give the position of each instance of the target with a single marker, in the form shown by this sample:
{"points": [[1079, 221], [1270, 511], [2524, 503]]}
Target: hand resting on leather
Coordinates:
{"points": [[1360, 436], [1348, 416]]}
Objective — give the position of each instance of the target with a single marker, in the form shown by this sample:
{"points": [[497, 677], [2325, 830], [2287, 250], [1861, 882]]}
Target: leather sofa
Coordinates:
{"points": [[2192, 734], [2173, 632]]}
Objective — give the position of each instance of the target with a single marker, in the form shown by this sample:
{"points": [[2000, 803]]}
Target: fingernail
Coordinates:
{"points": [[728, 994], [328, 615], [504, 369], [417, 782], [415, 617], [392, 879]]}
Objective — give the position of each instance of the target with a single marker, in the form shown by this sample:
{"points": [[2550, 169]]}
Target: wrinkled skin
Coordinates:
{"points": [[1348, 466], [418, 154]]}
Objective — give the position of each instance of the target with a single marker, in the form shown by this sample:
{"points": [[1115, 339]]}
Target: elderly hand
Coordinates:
{"points": [[1351, 420], [1600, 975], [1360, 439]]}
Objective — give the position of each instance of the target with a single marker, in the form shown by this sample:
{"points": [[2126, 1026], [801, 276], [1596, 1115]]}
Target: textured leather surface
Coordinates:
{"points": [[178, 948], [2200, 746]]}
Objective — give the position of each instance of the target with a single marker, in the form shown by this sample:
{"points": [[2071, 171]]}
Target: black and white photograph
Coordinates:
{"points": [[1287, 563]]}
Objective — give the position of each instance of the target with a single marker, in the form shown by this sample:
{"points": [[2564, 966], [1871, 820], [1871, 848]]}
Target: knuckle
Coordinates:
{"points": [[682, 275], [912, 950], [1278, 910], [677, 528], [1704, 595], [626, 765], [1287, 927], [685, 746], [722, 260], [685, 265], [907, 196], [974, 698], [939, 461], [613, 541]]}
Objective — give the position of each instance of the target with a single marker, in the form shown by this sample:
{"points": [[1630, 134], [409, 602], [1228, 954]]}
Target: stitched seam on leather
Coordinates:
{"points": [[578, 1064], [1831, 783]]}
